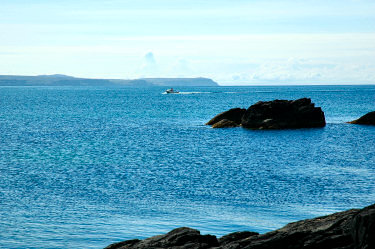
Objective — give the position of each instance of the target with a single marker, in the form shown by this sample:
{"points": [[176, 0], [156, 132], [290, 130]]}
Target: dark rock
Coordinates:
{"points": [[283, 114], [276, 114], [233, 115], [180, 238], [352, 229], [329, 232], [363, 228], [368, 119], [233, 240], [225, 123], [124, 244]]}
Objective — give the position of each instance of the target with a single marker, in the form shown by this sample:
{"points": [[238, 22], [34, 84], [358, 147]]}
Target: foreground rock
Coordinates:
{"points": [[352, 229], [276, 114], [368, 119], [182, 237]]}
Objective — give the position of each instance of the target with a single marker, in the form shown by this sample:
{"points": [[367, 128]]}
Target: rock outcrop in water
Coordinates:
{"points": [[352, 229], [276, 114], [368, 119]]}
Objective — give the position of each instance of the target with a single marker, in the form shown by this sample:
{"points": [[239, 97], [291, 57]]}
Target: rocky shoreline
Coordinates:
{"points": [[351, 229]]}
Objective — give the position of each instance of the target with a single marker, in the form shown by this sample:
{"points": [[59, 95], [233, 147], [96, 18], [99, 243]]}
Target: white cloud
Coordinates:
{"points": [[307, 71], [149, 67]]}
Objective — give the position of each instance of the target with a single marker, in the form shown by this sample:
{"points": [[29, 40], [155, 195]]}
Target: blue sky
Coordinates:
{"points": [[233, 42]]}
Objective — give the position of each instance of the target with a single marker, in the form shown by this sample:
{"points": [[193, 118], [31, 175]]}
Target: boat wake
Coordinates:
{"points": [[186, 93]]}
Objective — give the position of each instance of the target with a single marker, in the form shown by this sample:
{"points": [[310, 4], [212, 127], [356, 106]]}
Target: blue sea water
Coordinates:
{"points": [[84, 167]]}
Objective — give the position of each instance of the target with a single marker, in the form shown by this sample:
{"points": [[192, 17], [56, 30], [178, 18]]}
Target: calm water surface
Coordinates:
{"points": [[83, 167]]}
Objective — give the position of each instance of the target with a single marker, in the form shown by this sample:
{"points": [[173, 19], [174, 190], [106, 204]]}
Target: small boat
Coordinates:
{"points": [[171, 91]]}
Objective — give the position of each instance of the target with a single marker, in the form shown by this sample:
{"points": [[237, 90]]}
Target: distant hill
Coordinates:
{"points": [[65, 80]]}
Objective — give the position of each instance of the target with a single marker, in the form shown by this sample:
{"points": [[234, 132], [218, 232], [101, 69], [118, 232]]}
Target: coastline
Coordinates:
{"points": [[353, 228]]}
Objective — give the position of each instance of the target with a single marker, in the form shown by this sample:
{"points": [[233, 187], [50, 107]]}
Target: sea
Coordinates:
{"points": [[84, 167]]}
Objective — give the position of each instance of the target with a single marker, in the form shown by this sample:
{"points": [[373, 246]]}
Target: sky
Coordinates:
{"points": [[237, 42]]}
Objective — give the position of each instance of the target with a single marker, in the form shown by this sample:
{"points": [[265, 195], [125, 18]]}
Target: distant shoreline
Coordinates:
{"points": [[65, 80]]}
